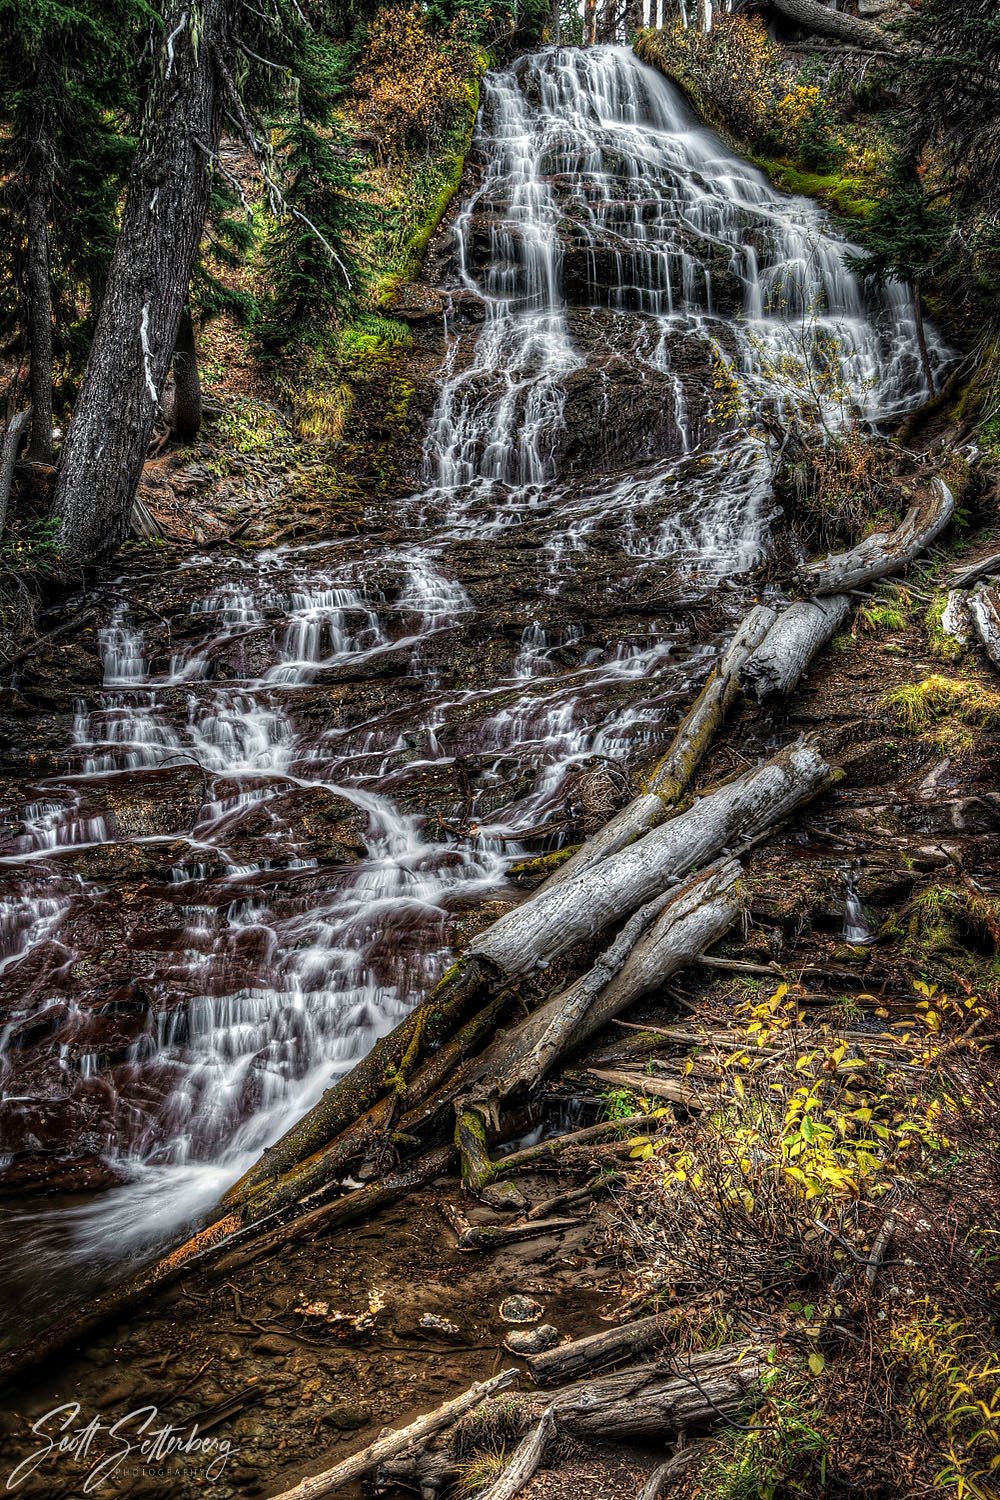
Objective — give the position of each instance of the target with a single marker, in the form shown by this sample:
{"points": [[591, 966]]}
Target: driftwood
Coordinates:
{"points": [[963, 578], [567, 1361], [590, 1190], [654, 1486], [527, 1456], [394, 1442], [984, 609], [673, 774], [791, 643], [492, 1236], [883, 552], [641, 1083], [534, 934], [956, 620], [13, 433], [531, 1156], [690, 921]]}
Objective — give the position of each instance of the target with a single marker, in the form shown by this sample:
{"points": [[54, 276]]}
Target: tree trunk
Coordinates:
{"points": [[918, 319], [814, 16], [582, 1356], [792, 642], [9, 444], [39, 193], [589, 22], [555, 22], [137, 326], [883, 552], [185, 417]]}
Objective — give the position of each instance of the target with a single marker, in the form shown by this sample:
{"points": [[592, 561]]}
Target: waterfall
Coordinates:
{"points": [[305, 766]]}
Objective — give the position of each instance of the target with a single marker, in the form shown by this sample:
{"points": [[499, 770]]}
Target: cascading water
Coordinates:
{"points": [[258, 847]]}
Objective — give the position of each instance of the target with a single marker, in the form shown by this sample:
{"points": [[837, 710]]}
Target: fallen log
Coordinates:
{"points": [[690, 921], [791, 643], [394, 1442], [492, 1236], [641, 1083], [956, 620], [534, 934], [814, 16], [883, 552], [590, 1190], [374, 1127], [674, 772], [654, 1487], [984, 610], [527, 1456], [644, 1403], [963, 578], [531, 1156], [567, 1361], [385, 1069]]}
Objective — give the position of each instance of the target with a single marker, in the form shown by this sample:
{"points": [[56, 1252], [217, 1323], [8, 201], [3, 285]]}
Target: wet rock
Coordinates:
{"points": [[532, 1341], [273, 1344], [504, 1197], [520, 1309]]}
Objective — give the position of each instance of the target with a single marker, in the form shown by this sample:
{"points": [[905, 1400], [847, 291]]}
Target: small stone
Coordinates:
{"points": [[532, 1340], [519, 1309], [345, 1417], [504, 1197], [272, 1344]]}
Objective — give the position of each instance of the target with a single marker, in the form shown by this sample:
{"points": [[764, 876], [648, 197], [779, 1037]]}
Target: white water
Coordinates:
{"points": [[281, 969]]}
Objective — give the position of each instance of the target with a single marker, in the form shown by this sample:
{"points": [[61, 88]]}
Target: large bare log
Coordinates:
{"points": [[690, 920], [673, 774], [792, 642], [533, 935], [984, 610], [581, 1356], [825, 21], [657, 1088], [883, 552], [394, 1442], [645, 1403]]}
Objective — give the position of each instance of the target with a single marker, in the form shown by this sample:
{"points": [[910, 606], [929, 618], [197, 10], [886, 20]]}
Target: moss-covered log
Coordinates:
{"points": [[386, 1069]]}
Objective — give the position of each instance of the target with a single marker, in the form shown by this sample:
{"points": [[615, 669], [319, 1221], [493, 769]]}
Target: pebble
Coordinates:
{"points": [[504, 1197]]}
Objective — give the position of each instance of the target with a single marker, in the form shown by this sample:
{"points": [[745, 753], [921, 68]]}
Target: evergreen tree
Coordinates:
{"points": [[904, 236], [68, 78]]}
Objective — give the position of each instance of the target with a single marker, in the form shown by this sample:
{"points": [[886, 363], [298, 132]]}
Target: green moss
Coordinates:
{"points": [[942, 645], [922, 705], [851, 197], [542, 864]]}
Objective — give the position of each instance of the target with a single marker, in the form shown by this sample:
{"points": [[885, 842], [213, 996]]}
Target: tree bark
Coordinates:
{"points": [[883, 552], [984, 609], [185, 416], [39, 193], [13, 433], [589, 22], [527, 1456], [918, 319], [534, 934], [674, 772], [791, 643], [136, 330], [814, 16], [581, 1356]]}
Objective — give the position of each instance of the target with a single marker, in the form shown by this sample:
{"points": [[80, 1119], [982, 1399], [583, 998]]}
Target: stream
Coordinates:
{"points": [[304, 769]]}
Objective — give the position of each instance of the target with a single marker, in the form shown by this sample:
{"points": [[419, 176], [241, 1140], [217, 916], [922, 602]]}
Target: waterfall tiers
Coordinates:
{"points": [[242, 856]]}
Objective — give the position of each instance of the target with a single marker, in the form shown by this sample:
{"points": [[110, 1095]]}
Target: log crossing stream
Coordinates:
{"points": [[257, 842]]}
